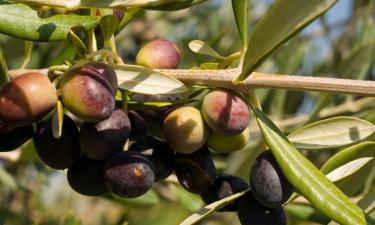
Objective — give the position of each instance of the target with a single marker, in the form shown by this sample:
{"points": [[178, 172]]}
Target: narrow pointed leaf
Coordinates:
{"points": [[332, 133], [57, 120], [202, 48], [208, 209], [240, 10], [21, 21], [143, 80], [108, 25], [4, 76], [365, 149], [348, 169], [307, 179], [128, 17], [283, 20], [77, 43], [176, 5]]}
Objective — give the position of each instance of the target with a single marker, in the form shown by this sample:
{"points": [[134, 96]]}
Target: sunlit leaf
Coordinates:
{"points": [[21, 21], [348, 169], [77, 43], [57, 120], [332, 133], [284, 19], [240, 10], [143, 80], [208, 209], [176, 5], [202, 48], [306, 178]]}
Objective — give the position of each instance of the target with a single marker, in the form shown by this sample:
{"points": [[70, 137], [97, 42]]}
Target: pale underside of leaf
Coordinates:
{"points": [[142, 80], [331, 133], [348, 169], [208, 209], [200, 47]]}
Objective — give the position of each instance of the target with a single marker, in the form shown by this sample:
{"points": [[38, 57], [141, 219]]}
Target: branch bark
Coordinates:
{"points": [[223, 78]]}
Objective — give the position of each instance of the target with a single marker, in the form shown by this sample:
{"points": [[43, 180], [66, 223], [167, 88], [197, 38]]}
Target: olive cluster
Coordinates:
{"points": [[93, 149]]}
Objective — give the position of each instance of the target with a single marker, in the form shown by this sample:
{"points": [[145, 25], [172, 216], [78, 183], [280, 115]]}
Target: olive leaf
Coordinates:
{"points": [[147, 81], [281, 22], [156, 105], [108, 25], [128, 17], [361, 150], [213, 207], [57, 120], [348, 169], [332, 133], [176, 5], [75, 4], [202, 48], [240, 10], [19, 20], [306, 178], [4, 76], [77, 43]]}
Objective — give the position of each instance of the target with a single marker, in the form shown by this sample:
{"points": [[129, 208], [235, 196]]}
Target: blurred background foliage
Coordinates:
{"points": [[339, 44]]}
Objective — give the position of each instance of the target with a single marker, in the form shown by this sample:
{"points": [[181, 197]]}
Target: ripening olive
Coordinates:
{"points": [[268, 183], [103, 70], [58, 153], [184, 130], [138, 124], [101, 140], [86, 176], [26, 98], [225, 112], [227, 144], [158, 54], [14, 138], [225, 186], [87, 94], [196, 171], [250, 212], [158, 152], [129, 174]]}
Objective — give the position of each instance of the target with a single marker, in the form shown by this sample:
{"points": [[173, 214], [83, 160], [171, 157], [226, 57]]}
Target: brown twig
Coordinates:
{"points": [[223, 78]]}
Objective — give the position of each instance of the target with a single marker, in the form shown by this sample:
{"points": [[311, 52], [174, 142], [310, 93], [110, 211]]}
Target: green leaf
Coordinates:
{"points": [[108, 25], [176, 5], [306, 178], [283, 20], [240, 10], [7, 179], [202, 48], [77, 43], [143, 80], [332, 133], [361, 150], [128, 17], [21, 21], [57, 120], [348, 169], [4, 76], [208, 209]]}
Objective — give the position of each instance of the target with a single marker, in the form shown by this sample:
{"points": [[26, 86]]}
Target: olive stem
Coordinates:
{"points": [[124, 100], [223, 78]]}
